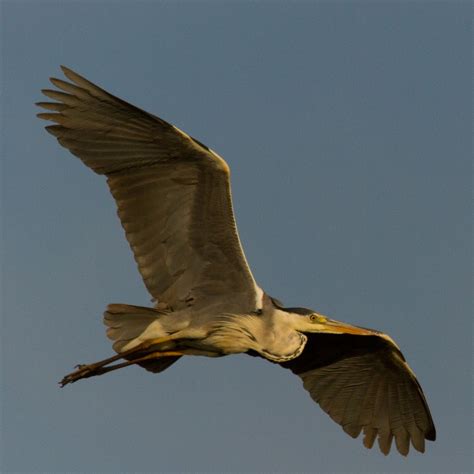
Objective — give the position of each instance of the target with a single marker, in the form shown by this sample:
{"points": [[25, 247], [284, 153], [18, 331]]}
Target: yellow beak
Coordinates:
{"points": [[338, 327]]}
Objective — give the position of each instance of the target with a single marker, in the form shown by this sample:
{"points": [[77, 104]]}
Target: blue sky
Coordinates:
{"points": [[347, 126]]}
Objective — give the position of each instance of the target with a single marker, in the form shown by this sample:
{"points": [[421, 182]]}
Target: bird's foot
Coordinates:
{"points": [[82, 371]]}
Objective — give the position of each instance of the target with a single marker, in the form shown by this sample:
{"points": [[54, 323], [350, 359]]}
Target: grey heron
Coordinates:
{"points": [[174, 202]]}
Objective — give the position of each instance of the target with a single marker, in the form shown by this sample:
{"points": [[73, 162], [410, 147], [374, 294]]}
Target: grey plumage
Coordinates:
{"points": [[364, 383], [172, 193], [174, 202]]}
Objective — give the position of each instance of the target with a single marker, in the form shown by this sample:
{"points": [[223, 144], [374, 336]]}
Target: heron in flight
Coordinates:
{"points": [[174, 202]]}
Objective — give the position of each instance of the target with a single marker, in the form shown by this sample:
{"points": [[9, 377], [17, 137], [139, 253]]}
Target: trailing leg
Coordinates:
{"points": [[92, 370]]}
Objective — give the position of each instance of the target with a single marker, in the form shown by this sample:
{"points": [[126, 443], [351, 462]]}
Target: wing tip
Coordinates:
{"points": [[44, 105], [54, 130], [430, 435], [69, 73], [75, 79], [55, 81], [45, 116]]}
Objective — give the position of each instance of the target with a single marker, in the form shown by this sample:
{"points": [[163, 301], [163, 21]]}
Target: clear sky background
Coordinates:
{"points": [[347, 126]]}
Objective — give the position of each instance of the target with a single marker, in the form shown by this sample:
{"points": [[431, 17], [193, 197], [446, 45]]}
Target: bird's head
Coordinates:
{"points": [[308, 321]]}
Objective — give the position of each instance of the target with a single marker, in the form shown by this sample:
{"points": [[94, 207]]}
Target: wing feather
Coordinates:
{"points": [[172, 193], [364, 384]]}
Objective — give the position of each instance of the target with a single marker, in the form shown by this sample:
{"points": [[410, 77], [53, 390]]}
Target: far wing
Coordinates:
{"points": [[172, 193], [364, 383]]}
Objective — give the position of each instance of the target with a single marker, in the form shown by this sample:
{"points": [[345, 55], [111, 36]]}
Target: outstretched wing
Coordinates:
{"points": [[172, 193], [364, 383]]}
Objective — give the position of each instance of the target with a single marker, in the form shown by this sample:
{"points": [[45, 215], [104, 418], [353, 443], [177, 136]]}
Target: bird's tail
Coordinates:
{"points": [[128, 326]]}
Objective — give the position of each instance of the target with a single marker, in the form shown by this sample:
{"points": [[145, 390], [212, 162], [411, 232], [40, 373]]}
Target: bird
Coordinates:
{"points": [[173, 197]]}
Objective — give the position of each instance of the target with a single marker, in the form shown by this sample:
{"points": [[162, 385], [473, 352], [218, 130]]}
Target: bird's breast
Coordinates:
{"points": [[283, 347]]}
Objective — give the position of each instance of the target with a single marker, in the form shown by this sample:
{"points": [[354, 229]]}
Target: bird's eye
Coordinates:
{"points": [[317, 318]]}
